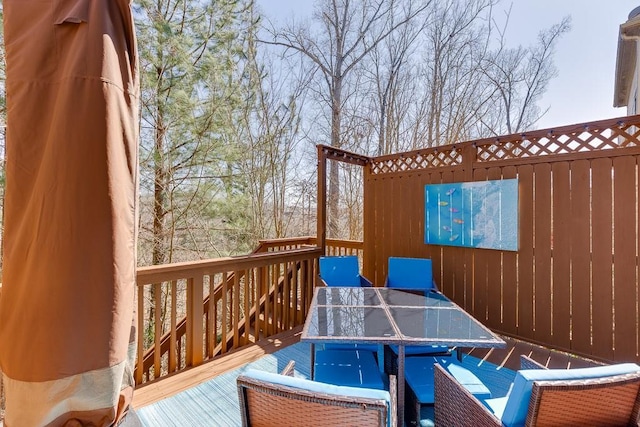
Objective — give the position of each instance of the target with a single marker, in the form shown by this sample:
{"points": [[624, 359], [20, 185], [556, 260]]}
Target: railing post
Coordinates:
{"points": [[139, 372], [368, 218], [469, 156], [322, 199], [195, 312], [174, 360]]}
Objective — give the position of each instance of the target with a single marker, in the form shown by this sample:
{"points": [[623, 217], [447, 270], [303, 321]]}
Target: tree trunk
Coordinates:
{"points": [[334, 176]]}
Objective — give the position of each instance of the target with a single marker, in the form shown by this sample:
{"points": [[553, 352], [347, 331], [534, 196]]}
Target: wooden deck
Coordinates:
{"points": [[169, 386], [508, 357]]}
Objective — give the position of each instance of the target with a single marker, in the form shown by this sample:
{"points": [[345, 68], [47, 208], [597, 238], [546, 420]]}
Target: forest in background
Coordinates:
{"points": [[233, 106]]}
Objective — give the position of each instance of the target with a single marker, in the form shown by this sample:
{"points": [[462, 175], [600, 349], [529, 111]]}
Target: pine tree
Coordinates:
{"points": [[189, 51]]}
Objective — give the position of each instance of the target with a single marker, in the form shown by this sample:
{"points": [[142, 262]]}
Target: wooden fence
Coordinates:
{"points": [[573, 283]]}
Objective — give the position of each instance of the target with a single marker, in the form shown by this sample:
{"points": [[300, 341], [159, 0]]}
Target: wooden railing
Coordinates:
{"points": [[333, 246], [208, 308], [254, 297]]}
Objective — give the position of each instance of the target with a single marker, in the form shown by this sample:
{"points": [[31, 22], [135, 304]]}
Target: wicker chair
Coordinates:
{"points": [[585, 398], [268, 399]]}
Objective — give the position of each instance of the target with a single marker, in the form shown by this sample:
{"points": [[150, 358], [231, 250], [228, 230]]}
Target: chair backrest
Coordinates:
{"points": [[272, 399], [563, 388], [340, 270], [410, 273], [611, 401]]}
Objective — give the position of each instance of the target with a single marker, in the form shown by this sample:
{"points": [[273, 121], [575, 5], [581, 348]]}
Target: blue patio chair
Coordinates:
{"points": [[415, 274], [348, 367], [601, 395], [412, 274], [268, 398], [419, 381], [342, 271]]}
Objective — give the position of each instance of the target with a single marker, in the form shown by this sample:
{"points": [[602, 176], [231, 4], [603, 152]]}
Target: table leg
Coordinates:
{"points": [[401, 422], [381, 358], [313, 360], [459, 353]]}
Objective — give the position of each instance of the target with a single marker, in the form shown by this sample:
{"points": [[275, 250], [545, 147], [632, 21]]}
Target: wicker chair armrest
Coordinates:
{"points": [[455, 406], [267, 403], [393, 391], [528, 363], [289, 369]]}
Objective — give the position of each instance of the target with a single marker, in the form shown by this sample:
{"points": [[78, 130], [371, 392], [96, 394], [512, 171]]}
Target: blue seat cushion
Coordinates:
{"points": [[415, 350], [418, 373], [496, 405], [348, 346], [466, 378], [419, 376], [353, 368], [517, 405]]}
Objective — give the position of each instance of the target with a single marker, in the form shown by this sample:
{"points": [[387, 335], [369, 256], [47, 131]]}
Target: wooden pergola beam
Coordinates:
{"points": [[325, 153]]}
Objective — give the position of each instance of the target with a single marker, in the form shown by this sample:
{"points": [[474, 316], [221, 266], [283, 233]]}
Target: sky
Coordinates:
{"points": [[585, 57]]}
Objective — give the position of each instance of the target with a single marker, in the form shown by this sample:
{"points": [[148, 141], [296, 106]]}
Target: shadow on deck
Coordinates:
{"points": [[509, 357]]}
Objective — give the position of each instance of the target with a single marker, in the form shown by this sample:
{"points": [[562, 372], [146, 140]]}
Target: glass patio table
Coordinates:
{"points": [[387, 316]]}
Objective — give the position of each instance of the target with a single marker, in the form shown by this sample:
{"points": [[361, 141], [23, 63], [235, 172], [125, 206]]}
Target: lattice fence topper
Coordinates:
{"points": [[604, 135], [418, 161], [567, 143]]}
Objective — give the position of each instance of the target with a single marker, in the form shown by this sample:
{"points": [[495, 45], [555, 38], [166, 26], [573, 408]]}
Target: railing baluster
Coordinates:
{"points": [[286, 296], [296, 320], [255, 304], [264, 295], [236, 309], [225, 312], [216, 314], [211, 318], [247, 308], [173, 362], [141, 316], [276, 298]]}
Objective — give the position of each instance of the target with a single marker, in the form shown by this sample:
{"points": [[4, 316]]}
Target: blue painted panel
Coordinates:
{"points": [[481, 214]]}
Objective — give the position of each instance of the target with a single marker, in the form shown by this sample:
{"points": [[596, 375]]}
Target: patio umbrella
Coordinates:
{"points": [[67, 302]]}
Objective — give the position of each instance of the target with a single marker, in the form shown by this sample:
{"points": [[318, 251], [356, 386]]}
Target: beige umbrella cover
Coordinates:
{"points": [[67, 304]]}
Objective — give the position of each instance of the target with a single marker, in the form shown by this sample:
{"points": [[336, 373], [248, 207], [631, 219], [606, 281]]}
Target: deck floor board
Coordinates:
{"points": [[169, 386]]}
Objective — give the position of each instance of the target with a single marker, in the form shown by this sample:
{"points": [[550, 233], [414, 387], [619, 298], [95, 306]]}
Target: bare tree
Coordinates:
{"points": [[427, 79], [346, 33], [390, 60], [269, 131], [456, 43], [519, 77], [454, 80]]}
